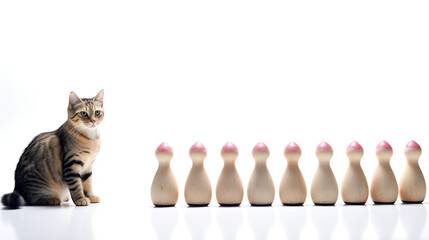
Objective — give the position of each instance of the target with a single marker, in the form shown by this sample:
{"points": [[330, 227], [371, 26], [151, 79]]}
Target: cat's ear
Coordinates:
{"points": [[73, 100], [100, 96]]}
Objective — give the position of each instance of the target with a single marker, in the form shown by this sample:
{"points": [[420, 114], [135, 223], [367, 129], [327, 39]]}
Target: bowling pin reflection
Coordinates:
{"points": [[384, 219], [164, 221], [261, 219], [198, 221], [324, 219], [355, 220], [413, 219], [229, 221], [293, 220]]}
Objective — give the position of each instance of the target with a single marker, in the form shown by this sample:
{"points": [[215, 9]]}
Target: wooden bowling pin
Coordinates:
{"points": [[412, 185], [229, 188], [198, 190], [164, 190], [354, 189], [324, 188], [384, 188], [260, 190], [293, 190]]}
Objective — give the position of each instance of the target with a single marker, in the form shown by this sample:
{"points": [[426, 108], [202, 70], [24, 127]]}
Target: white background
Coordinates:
{"points": [[216, 71]]}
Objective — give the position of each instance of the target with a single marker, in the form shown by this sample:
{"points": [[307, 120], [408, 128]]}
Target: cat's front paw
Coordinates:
{"points": [[94, 199], [82, 201]]}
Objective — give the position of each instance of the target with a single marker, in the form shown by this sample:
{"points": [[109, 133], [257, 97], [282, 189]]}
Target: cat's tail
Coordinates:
{"points": [[12, 200]]}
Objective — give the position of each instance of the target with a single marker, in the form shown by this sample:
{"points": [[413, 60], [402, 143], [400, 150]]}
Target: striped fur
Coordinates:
{"points": [[58, 164]]}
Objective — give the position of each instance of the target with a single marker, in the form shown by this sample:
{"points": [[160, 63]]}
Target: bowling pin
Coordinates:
{"points": [[354, 189], [293, 190], [229, 188], [384, 188], [164, 190], [412, 185], [324, 188], [198, 190], [260, 190]]}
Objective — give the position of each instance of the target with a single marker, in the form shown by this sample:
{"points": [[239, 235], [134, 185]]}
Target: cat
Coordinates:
{"points": [[58, 164]]}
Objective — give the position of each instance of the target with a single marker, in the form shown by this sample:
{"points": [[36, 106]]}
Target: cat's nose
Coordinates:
{"points": [[92, 120]]}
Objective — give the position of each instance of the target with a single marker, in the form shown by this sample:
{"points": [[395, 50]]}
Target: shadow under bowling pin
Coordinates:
{"points": [[355, 219], [412, 185], [325, 220], [198, 190], [261, 220], [293, 220], [164, 190], [260, 190], [164, 221], [384, 219], [354, 189], [229, 221], [324, 187], [229, 188], [292, 190], [413, 219], [198, 221], [384, 188]]}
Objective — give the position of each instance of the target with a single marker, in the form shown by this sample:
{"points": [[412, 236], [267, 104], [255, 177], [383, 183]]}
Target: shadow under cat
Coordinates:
{"points": [[65, 222]]}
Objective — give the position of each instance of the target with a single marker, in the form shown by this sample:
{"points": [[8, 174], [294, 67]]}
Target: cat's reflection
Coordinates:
{"points": [[413, 219], [198, 220], [324, 219], [229, 220], [293, 220], [384, 219], [164, 221], [355, 220], [54, 222], [261, 219]]}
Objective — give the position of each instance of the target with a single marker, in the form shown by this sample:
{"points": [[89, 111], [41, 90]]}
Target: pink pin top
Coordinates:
{"points": [[198, 147], [412, 144], [229, 146], [355, 146], [164, 147], [324, 146], [260, 146], [292, 146], [384, 145]]}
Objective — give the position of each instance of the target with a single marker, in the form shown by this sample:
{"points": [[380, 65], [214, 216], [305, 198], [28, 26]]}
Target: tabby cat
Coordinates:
{"points": [[58, 164]]}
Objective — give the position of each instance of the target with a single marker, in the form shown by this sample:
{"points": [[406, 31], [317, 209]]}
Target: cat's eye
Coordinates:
{"points": [[84, 114], [97, 113]]}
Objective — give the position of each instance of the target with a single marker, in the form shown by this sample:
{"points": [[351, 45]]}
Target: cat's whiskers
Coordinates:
{"points": [[79, 131], [76, 130], [71, 129]]}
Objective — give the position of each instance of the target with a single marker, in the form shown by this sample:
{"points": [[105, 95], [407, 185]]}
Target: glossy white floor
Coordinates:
{"points": [[115, 221]]}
